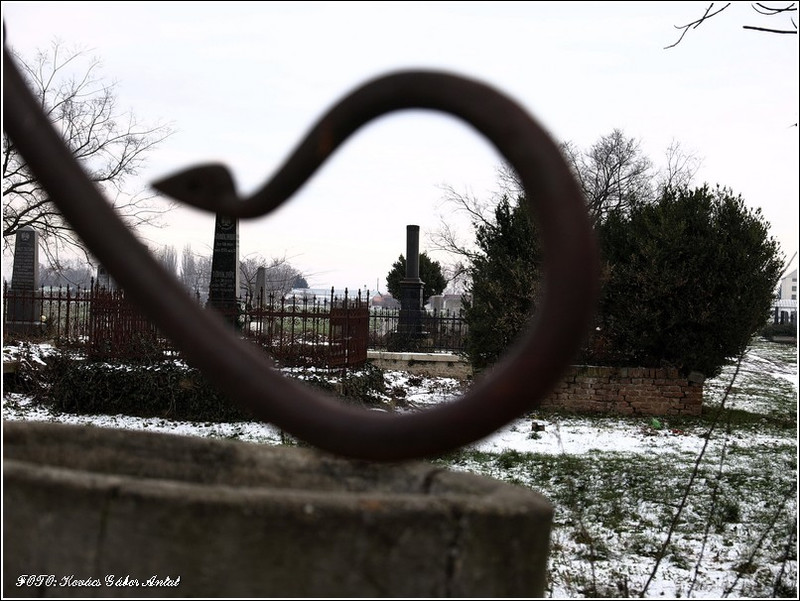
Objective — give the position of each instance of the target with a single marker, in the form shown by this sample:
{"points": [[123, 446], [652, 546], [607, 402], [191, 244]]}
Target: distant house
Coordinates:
{"points": [[784, 308], [321, 297], [308, 293], [321, 294], [384, 301], [449, 303], [784, 311], [788, 287]]}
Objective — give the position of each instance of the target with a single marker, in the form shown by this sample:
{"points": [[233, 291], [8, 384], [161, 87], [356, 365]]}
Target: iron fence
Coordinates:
{"points": [[98, 319], [61, 314], [308, 330], [119, 330], [297, 331], [441, 330]]}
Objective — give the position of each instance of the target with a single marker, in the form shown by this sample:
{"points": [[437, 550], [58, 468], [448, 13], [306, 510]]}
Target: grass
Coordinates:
{"points": [[736, 534], [613, 509]]}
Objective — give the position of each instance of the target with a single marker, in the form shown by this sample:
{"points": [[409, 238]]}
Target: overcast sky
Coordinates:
{"points": [[242, 82]]}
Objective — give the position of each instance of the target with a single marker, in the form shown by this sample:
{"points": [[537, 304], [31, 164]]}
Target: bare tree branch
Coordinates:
{"points": [[696, 24], [110, 144], [768, 30], [279, 275], [680, 169], [772, 10], [510, 183], [692, 477], [447, 238], [613, 173], [758, 7]]}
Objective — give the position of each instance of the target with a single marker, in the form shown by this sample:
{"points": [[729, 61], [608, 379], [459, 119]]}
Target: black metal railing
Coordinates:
{"points": [[296, 331], [57, 313], [442, 330]]}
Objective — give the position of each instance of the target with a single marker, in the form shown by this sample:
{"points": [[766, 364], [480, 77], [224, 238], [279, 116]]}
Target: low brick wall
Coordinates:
{"points": [[627, 391], [584, 388]]}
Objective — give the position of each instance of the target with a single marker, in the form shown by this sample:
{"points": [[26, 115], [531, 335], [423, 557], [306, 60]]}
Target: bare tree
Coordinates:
{"points": [[448, 237], [73, 273], [109, 143], [195, 272], [456, 274], [766, 10], [681, 168], [248, 271], [481, 214], [168, 257], [188, 275], [613, 173], [279, 275]]}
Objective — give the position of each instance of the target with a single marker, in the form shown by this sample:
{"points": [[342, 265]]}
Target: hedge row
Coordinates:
{"points": [[167, 389]]}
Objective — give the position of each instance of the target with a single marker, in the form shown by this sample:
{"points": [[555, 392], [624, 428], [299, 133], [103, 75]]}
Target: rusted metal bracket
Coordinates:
{"points": [[516, 385]]}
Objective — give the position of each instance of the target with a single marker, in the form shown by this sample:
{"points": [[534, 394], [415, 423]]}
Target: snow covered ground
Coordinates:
{"points": [[618, 483]]}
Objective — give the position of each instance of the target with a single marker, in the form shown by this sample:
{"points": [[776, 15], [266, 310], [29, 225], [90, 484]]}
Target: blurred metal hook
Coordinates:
{"points": [[517, 384]]}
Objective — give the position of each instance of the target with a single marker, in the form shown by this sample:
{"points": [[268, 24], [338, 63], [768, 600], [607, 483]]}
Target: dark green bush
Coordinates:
{"points": [[363, 386], [689, 280], [164, 389], [430, 272], [505, 282], [779, 329], [366, 384], [169, 389]]}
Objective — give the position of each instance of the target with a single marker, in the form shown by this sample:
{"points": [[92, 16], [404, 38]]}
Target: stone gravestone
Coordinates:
{"points": [[223, 288], [260, 299], [410, 327], [104, 279], [24, 315]]}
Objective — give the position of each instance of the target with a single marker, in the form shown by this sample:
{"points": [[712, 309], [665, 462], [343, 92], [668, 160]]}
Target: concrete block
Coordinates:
{"points": [[115, 513]]}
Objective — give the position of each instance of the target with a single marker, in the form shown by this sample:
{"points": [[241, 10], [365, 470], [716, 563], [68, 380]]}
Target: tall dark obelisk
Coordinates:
{"points": [[223, 289], [411, 301]]}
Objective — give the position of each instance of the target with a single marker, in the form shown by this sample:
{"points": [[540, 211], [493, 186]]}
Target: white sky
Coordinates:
{"points": [[242, 82]]}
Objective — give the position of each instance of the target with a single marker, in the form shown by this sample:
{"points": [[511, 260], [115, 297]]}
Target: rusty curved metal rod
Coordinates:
{"points": [[211, 187], [517, 384]]}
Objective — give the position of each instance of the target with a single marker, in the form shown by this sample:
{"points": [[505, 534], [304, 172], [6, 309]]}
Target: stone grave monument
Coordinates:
{"points": [[223, 289], [104, 279], [410, 332], [260, 298], [24, 317]]}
